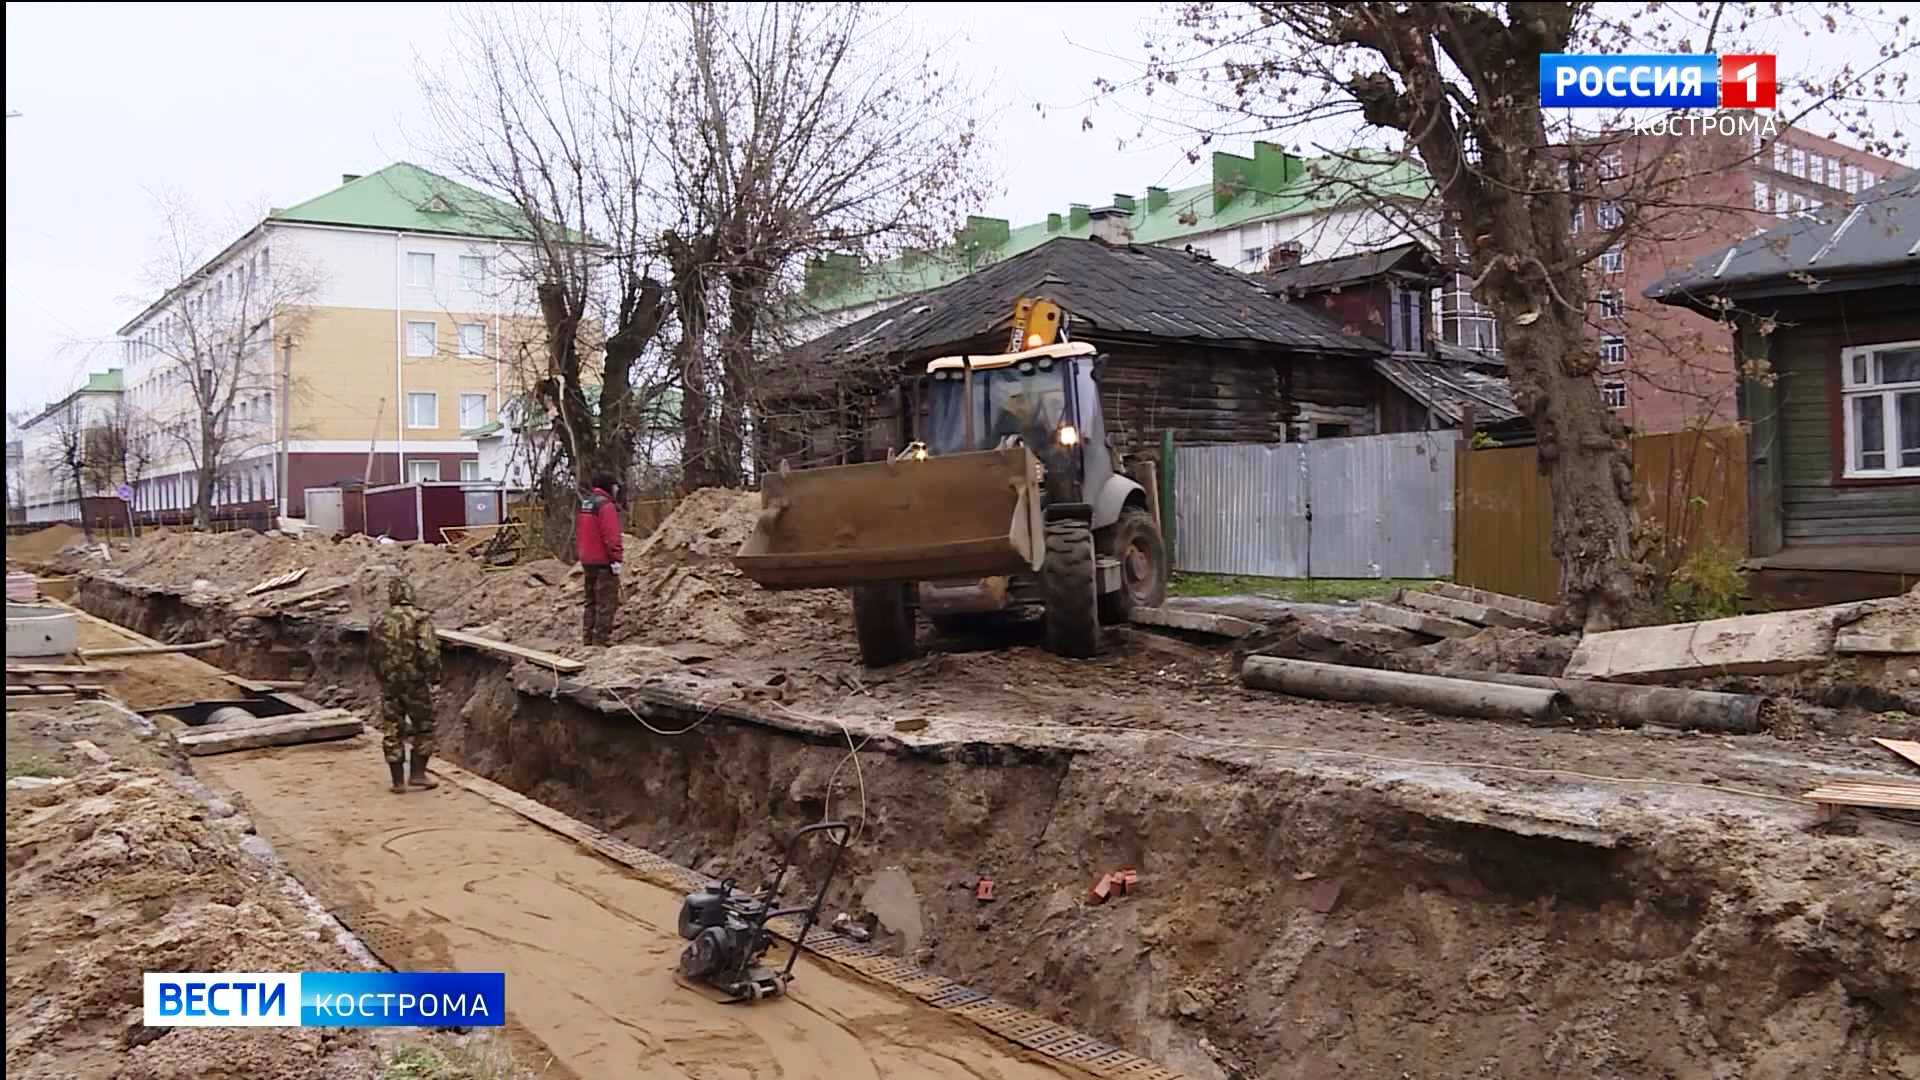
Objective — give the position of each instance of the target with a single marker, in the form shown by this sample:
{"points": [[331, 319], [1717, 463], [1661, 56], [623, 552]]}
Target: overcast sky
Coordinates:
{"points": [[240, 107]]}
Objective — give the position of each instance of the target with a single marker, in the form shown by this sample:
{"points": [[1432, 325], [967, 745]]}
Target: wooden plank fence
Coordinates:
{"points": [[1693, 484]]}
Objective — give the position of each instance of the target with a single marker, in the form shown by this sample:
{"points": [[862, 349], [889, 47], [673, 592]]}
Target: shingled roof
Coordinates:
{"points": [[1875, 240], [1409, 258], [1112, 289], [1450, 388]]}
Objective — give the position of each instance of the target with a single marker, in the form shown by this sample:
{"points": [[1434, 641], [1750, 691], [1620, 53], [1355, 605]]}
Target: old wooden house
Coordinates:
{"points": [[1827, 329]]}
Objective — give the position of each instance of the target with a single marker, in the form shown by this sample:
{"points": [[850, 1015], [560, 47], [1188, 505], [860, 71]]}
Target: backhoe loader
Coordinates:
{"points": [[1011, 500]]}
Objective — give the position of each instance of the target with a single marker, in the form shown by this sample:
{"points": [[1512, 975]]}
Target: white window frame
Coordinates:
{"points": [[460, 335], [1609, 215], [462, 404], [473, 271], [1613, 260], [1613, 393], [1762, 196], [1613, 351], [418, 467], [470, 470], [412, 420], [1853, 389], [1611, 166], [413, 343], [1613, 304], [415, 265], [1579, 217]]}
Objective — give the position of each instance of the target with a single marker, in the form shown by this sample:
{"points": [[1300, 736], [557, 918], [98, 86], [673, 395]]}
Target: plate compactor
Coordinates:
{"points": [[726, 930]]}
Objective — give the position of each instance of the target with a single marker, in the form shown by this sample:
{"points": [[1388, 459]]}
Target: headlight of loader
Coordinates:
{"points": [[1068, 435]]}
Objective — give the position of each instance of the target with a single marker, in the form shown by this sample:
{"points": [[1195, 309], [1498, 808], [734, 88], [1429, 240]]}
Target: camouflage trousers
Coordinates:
{"points": [[602, 602], [406, 720]]}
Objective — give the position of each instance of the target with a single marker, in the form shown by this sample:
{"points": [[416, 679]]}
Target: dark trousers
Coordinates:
{"points": [[602, 601]]}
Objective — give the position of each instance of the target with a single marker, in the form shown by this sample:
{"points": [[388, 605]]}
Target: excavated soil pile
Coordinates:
{"points": [[41, 547], [120, 872]]}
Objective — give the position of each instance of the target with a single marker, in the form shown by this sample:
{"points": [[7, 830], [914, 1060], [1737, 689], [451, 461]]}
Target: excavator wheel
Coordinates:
{"points": [[1136, 542], [1071, 590], [883, 621]]}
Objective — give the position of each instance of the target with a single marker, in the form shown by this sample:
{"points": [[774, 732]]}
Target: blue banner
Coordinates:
{"points": [[1670, 81], [403, 998]]}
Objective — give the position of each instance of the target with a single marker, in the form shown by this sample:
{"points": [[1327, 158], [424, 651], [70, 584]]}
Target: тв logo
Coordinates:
{"points": [[1746, 82], [1663, 81]]}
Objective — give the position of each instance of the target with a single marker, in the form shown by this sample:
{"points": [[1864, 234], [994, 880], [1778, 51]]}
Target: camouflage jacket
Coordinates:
{"points": [[403, 647]]}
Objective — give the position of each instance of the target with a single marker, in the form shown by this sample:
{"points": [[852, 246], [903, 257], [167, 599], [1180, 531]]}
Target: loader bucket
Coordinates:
{"points": [[961, 515]]}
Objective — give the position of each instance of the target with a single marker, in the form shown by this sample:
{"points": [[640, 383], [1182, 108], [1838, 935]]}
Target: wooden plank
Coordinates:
{"points": [[1897, 642], [1906, 748], [1531, 610], [1420, 622], [279, 581], [264, 686], [514, 652], [1202, 622], [59, 669], [92, 752], [281, 732], [155, 649], [1771, 644], [41, 701], [290, 599], [1880, 796], [1463, 610]]}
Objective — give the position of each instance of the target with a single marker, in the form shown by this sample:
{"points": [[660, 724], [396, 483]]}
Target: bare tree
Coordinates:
{"points": [[70, 457], [1457, 85], [216, 335], [126, 446], [714, 146]]}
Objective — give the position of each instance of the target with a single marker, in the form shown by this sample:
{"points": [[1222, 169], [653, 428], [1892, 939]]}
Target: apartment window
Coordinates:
{"points": [[473, 271], [1579, 216], [473, 339], [473, 411], [1613, 304], [1251, 256], [1880, 389], [420, 268], [1850, 177], [1762, 196], [423, 472], [1610, 166], [266, 260], [1608, 215], [1613, 350], [1614, 393], [1781, 158], [422, 338], [469, 472], [1867, 179], [1613, 260], [1780, 199], [423, 410]]}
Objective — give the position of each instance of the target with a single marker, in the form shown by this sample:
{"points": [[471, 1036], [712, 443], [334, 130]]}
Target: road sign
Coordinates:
{"points": [[124, 492]]}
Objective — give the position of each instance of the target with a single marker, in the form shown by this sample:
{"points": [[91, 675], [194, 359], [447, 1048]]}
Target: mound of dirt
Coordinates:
{"points": [[40, 547], [710, 523], [120, 872], [1520, 652]]}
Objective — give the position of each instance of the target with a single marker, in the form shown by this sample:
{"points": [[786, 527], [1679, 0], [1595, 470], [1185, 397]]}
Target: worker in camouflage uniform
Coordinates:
{"points": [[406, 658]]}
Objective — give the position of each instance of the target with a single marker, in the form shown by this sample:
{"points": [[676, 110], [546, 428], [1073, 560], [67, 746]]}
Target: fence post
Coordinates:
{"points": [[1167, 514]]}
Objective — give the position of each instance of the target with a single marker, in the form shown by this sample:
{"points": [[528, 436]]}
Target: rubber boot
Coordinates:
{"points": [[399, 771], [420, 779]]}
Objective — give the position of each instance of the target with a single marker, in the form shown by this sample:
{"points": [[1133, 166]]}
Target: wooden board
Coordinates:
{"points": [[92, 752], [1772, 644], [40, 701], [59, 669], [279, 581], [277, 731], [514, 652], [1464, 610], [1420, 622], [264, 686], [155, 649], [290, 599], [1906, 748], [1898, 642], [1531, 610], [1201, 622], [1892, 795]]}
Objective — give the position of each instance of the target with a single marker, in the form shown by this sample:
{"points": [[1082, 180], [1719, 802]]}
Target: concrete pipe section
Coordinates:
{"points": [[39, 630]]}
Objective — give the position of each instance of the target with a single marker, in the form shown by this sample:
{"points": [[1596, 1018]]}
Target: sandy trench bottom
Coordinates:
{"points": [[457, 883]]}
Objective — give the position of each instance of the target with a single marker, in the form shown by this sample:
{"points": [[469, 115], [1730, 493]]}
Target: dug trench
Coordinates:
{"points": [[1290, 919]]}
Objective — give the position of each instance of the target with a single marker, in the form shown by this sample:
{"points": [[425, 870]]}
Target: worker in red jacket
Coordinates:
{"points": [[597, 539]]}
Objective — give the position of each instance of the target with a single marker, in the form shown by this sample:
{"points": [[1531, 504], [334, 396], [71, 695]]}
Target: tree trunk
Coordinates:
{"points": [[688, 261], [744, 297]]}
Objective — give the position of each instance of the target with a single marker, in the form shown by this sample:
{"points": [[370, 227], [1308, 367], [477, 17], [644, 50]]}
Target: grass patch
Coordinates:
{"points": [[483, 1058], [34, 765], [1299, 590]]}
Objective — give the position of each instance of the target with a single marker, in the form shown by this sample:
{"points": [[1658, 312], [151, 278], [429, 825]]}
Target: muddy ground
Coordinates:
{"points": [[1498, 900]]}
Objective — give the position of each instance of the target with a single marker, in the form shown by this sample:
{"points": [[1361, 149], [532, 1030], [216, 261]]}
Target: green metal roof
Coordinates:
{"points": [[109, 381], [406, 197], [1271, 184]]}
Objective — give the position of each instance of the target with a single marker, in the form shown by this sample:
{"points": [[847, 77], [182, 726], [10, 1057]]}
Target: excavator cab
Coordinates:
{"points": [[1010, 500]]}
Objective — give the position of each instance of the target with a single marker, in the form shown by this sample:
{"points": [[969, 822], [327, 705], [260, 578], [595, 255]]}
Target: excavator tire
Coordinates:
{"points": [[1135, 540], [883, 621], [1071, 590]]}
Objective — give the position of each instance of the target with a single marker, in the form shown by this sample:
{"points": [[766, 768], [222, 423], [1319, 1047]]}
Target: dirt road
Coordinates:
{"points": [[588, 948]]}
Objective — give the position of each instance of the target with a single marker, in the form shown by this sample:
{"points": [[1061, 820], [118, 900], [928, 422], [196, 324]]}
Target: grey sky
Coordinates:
{"points": [[240, 107]]}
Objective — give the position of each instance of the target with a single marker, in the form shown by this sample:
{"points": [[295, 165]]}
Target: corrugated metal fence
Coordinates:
{"points": [[1379, 506]]}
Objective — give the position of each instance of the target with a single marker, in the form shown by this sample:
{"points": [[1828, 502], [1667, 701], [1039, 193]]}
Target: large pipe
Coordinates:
{"points": [[1459, 697], [1634, 706]]}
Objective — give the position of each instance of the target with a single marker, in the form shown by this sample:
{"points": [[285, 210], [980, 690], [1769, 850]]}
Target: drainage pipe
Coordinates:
{"points": [[1459, 697]]}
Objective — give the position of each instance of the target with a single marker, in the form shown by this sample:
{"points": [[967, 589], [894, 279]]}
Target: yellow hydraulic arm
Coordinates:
{"points": [[1035, 323]]}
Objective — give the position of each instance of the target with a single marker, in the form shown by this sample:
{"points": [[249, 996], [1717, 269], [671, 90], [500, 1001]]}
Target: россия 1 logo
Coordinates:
{"points": [[1671, 81]]}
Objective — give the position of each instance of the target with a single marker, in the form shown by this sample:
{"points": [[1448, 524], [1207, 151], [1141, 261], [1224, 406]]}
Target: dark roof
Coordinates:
{"points": [[1129, 289], [1460, 354], [1447, 388], [1875, 240], [1407, 258]]}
